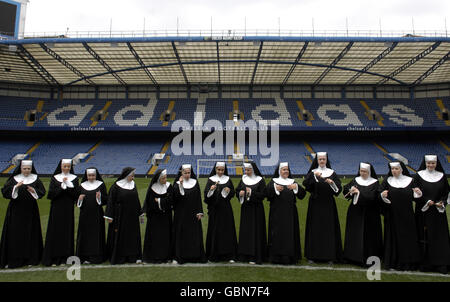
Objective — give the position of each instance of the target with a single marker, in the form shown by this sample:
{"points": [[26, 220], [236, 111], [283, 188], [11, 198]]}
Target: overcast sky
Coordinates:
{"points": [[96, 15]]}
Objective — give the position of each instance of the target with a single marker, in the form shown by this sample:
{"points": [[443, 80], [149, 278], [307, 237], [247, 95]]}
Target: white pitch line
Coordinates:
{"points": [[295, 267]]}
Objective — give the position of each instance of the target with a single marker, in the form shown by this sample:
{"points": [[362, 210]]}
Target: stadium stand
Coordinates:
{"points": [[149, 115], [414, 152], [112, 155], [153, 115], [48, 153]]}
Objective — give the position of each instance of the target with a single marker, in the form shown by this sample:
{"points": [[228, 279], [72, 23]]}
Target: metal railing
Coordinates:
{"points": [[232, 33]]}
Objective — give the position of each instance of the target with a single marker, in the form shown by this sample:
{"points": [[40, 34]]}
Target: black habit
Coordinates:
{"points": [[221, 241], [284, 229], [158, 233], [124, 232], [401, 246], [323, 240], [363, 232], [432, 224], [187, 228], [21, 242], [59, 240], [91, 224], [252, 231]]}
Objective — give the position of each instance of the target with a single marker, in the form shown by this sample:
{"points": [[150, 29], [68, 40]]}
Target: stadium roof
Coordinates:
{"points": [[407, 61]]}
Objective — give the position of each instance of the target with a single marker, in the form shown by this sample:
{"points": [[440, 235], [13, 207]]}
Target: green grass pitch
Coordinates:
{"points": [[205, 273]]}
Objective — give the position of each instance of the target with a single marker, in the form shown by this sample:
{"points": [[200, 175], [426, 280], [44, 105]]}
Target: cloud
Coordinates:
{"points": [[96, 15]]}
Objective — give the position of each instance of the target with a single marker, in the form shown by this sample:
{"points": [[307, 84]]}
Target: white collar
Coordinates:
{"points": [[326, 172], [433, 176], [399, 182], [222, 180], [159, 188], [365, 182], [283, 181], [26, 179], [188, 184], [87, 185], [124, 184], [59, 177], [251, 180]]}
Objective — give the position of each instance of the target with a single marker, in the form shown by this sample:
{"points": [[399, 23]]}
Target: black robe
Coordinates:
{"points": [[158, 233], [323, 240], [252, 231], [123, 243], [91, 226], [21, 242], [284, 229], [432, 226], [363, 232], [221, 241], [59, 240], [401, 246], [187, 229]]}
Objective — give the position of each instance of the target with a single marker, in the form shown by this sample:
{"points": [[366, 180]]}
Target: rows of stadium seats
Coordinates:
{"points": [[350, 108], [9, 149], [89, 108], [220, 109], [345, 156], [327, 113], [110, 155], [141, 107], [48, 153], [13, 109], [414, 151]]}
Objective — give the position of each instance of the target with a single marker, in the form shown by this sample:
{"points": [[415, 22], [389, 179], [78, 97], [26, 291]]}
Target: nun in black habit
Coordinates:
{"points": [[158, 206], [363, 233], [187, 223], [123, 243], [91, 224], [21, 242], [221, 241], [398, 191], [59, 240], [431, 219], [284, 229], [250, 192], [323, 241]]}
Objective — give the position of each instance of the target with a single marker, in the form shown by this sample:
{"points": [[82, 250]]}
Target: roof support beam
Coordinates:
{"points": [[257, 61], [291, 70], [373, 62], [334, 63], [410, 62], [218, 62], [41, 71], [103, 63], [243, 61], [138, 58], [432, 69], [52, 53], [179, 63]]}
